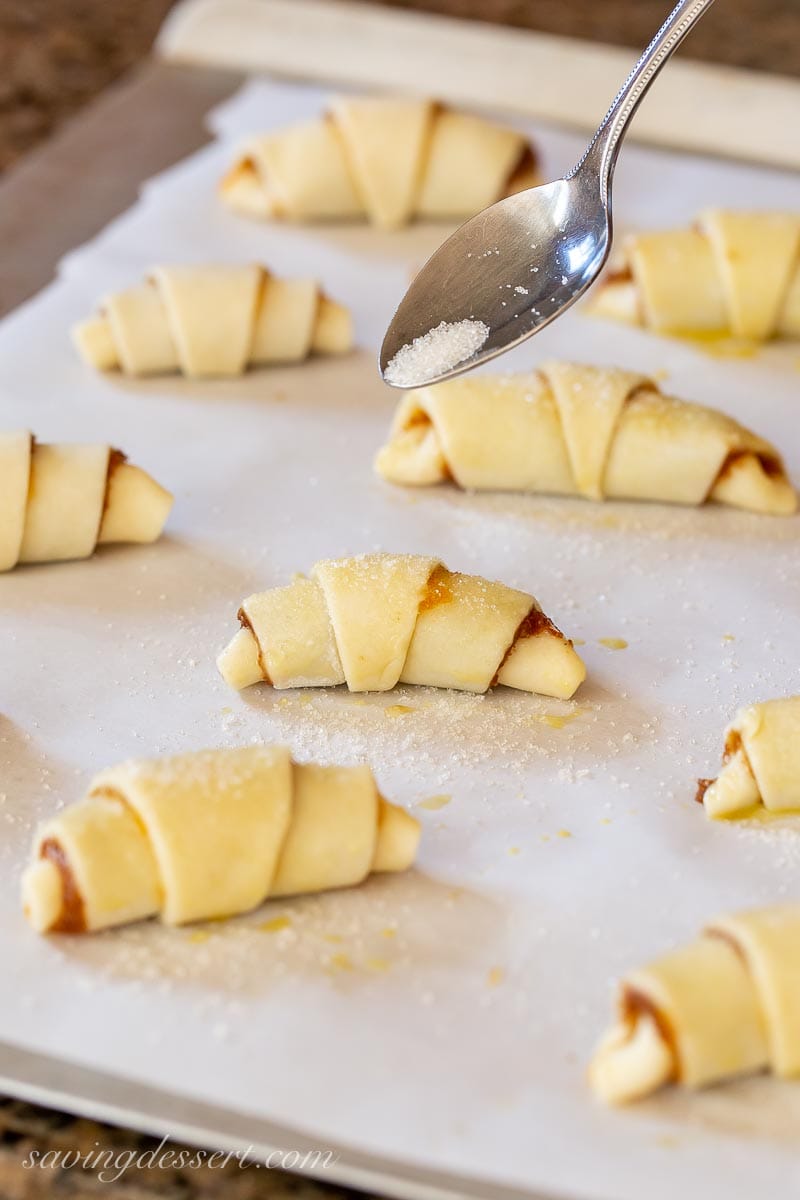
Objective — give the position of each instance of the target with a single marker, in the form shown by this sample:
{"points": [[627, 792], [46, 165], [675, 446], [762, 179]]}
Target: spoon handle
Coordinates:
{"points": [[605, 145]]}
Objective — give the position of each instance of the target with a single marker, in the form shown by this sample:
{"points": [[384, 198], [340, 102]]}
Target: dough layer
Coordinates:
{"points": [[62, 501], [381, 619], [212, 321], [726, 1005], [574, 430], [209, 834], [732, 273], [761, 762], [388, 159]]}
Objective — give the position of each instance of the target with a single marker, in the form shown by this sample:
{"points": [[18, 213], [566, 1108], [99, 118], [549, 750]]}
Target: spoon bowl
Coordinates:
{"points": [[515, 267]]}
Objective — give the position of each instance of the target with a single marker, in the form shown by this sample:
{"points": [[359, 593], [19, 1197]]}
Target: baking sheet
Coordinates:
{"points": [[444, 1017]]}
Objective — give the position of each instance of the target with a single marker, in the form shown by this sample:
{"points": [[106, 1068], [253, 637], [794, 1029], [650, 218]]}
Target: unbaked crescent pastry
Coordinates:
{"points": [[62, 501], [727, 1004], [381, 619], [387, 159], [212, 321], [596, 432], [761, 762], [209, 834], [733, 272]]}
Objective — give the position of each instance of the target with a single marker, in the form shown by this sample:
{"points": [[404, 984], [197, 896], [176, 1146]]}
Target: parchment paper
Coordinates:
{"points": [[446, 1016]]}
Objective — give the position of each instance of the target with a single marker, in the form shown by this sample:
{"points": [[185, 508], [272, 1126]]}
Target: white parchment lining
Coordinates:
{"points": [[445, 1017]]}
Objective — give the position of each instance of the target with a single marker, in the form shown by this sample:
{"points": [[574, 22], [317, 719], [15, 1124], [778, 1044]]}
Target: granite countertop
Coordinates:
{"points": [[55, 56]]}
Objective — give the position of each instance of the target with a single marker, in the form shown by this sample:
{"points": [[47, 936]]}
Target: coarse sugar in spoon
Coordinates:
{"points": [[515, 267]]}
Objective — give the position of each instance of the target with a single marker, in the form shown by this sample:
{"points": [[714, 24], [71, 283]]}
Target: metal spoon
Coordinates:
{"points": [[518, 265]]}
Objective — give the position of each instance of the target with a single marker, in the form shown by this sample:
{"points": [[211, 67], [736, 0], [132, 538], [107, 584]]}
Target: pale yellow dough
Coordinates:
{"points": [[761, 765], [733, 273], [212, 321], [727, 1004], [574, 430], [381, 619], [210, 834], [388, 159], [62, 501]]}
